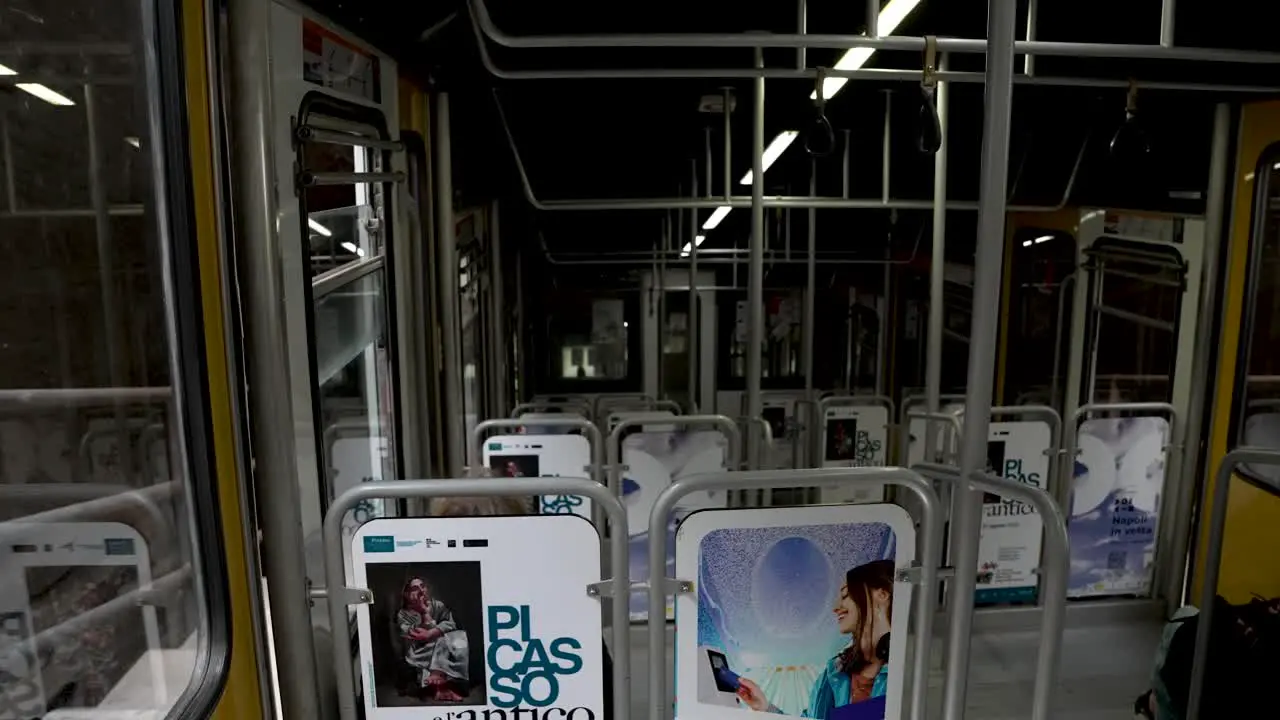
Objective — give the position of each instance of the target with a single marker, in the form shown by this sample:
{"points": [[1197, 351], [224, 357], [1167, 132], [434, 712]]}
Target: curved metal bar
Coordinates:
{"points": [[1071, 430], [613, 448], [105, 499], [1055, 569], [627, 397], [426, 489], [669, 405], [1213, 564], [588, 428], [566, 407], [766, 437], [948, 418], [929, 552]]}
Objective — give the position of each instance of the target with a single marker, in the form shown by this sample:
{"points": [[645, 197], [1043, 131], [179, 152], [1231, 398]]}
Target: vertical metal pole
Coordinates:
{"points": [[937, 267], [106, 254], [882, 337], [844, 176], [501, 328], [811, 286], [992, 186], [802, 27], [707, 173], [253, 186], [9, 180], [1168, 9], [1029, 60], [660, 283], [755, 273], [728, 144], [692, 334], [873, 18], [450, 340], [1215, 221]]}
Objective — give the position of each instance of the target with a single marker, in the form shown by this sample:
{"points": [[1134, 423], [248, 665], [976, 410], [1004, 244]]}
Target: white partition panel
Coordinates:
{"points": [[653, 461], [854, 436], [1116, 491], [786, 601], [543, 456], [461, 627], [1012, 531]]}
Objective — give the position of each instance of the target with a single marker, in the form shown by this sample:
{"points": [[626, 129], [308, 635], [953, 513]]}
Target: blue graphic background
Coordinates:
{"points": [[765, 599]]}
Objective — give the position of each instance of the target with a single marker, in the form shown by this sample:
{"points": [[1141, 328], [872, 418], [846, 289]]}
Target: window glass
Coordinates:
{"points": [[1259, 408], [589, 338], [342, 220], [100, 604]]}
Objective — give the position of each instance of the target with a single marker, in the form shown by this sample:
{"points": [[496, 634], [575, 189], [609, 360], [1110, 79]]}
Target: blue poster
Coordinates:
{"points": [[796, 620], [1116, 489]]}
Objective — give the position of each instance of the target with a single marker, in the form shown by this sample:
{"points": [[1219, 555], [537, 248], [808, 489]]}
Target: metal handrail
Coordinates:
{"points": [[930, 553], [1055, 569], [64, 398], [588, 428], [1213, 564], [565, 407], [904, 445], [617, 397], [490, 487], [613, 447]]}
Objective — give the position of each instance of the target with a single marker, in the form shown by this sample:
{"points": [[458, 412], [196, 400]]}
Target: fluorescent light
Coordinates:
{"points": [[318, 228], [890, 18], [45, 94], [773, 152], [135, 142], [1043, 238], [720, 214], [6, 70], [698, 240], [351, 248], [1026, 243]]}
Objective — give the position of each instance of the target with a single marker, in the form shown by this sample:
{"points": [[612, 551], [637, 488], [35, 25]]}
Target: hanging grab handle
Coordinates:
{"points": [[930, 140], [820, 138]]}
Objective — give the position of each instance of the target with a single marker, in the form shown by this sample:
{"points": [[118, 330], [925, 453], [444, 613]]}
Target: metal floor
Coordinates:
{"points": [[1104, 668]]}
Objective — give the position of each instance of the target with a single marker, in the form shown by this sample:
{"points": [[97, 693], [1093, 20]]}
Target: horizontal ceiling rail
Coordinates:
{"points": [[876, 74], [844, 42], [775, 201]]}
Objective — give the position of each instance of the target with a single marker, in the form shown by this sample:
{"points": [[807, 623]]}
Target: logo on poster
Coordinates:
{"points": [[865, 450], [1008, 506], [526, 670]]}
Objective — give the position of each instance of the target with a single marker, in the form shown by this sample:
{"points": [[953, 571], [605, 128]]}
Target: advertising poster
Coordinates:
{"points": [[854, 436], [1012, 531], [461, 629], [653, 461], [1115, 505], [52, 574], [517, 456], [794, 612]]}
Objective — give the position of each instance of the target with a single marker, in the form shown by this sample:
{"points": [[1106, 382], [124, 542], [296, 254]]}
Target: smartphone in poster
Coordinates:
{"points": [[794, 612], [517, 456], [854, 436], [1117, 484], [1012, 531], [654, 460], [461, 629], [62, 648]]}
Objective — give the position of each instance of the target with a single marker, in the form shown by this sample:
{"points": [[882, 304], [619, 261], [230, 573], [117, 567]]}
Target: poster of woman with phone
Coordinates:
{"points": [[859, 674], [793, 614]]}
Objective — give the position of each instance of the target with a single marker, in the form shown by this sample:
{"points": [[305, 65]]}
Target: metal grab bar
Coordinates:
{"points": [[564, 407], [766, 437], [1055, 569], [63, 398], [930, 418], [1213, 564], [603, 399], [310, 133], [427, 489], [309, 178], [929, 552]]}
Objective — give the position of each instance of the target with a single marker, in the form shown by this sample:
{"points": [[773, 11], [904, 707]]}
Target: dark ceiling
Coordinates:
{"points": [[638, 138]]}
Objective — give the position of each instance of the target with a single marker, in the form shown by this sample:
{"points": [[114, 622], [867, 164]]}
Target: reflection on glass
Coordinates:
{"points": [[1261, 401], [94, 504], [1135, 341], [589, 339], [342, 220]]}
